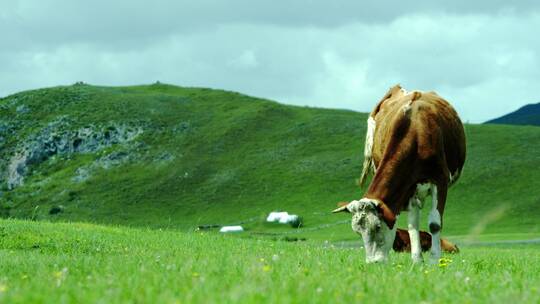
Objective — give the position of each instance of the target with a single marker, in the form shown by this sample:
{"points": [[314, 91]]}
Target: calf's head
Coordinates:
{"points": [[375, 222]]}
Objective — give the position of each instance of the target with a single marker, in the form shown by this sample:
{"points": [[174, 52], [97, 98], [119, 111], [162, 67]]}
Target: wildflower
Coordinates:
{"points": [[444, 262], [262, 260], [467, 279], [195, 274], [3, 288], [266, 268], [60, 276], [275, 257]]}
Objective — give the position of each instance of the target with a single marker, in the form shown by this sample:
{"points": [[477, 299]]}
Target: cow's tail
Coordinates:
{"points": [[369, 166]]}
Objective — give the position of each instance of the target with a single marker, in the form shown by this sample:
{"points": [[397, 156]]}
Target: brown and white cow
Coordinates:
{"points": [[415, 146]]}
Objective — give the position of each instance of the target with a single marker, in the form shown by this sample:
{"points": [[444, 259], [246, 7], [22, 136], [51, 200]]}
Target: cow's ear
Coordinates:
{"points": [[388, 216]]}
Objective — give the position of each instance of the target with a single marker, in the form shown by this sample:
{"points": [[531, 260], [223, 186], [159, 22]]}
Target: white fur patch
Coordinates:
{"points": [[370, 134], [406, 108], [414, 232]]}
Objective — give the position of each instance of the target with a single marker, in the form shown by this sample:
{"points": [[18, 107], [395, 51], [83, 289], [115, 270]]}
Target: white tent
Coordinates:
{"points": [[231, 229], [281, 217]]}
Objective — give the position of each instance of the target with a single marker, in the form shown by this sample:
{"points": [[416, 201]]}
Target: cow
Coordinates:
{"points": [[415, 148]]}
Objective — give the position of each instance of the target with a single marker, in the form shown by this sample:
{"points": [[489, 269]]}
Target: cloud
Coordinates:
{"points": [[481, 57]]}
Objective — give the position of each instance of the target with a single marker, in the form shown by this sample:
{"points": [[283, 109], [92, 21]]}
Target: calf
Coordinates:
{"points": [[402, 242]]}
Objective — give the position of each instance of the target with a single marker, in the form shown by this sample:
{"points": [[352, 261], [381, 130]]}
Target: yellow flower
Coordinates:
{"points": [[444, 262], [266, 268], [3, 288]]}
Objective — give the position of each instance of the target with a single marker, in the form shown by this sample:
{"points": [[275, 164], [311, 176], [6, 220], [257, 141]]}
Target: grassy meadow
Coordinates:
{"points": [[83, 263]]}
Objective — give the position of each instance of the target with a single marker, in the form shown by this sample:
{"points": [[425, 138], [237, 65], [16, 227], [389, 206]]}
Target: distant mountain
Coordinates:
{"points": [[527, 115]]}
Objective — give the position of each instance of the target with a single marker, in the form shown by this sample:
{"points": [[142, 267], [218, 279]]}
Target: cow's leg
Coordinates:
{"points": [[414, 232], [438, 195]]}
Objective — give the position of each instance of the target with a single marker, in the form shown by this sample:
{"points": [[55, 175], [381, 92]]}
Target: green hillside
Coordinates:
{"points": [[173, 157]]}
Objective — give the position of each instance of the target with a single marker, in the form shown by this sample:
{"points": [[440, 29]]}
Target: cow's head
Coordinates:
{"points": [[375, 222]]}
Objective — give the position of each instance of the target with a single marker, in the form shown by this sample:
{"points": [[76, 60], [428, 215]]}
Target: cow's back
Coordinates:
{"points": [[440, 131], [419, 122]]}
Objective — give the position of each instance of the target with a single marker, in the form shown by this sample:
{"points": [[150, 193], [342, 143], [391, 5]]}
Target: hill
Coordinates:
{"points": [[174, 157], [526, 115]]}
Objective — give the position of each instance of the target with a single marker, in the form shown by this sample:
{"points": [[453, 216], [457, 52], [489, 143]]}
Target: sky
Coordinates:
{"points": [[483, 56]]}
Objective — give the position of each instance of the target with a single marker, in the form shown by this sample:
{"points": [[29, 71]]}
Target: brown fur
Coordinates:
{"points": [[402, 242], [423, 143]]}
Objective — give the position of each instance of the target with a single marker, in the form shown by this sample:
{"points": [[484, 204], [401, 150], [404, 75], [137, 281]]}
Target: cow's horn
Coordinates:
{"points": [[341, 209]]}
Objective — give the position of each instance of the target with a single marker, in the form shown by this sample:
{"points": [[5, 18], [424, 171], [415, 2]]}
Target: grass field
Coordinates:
{"points": [[82, 263]]}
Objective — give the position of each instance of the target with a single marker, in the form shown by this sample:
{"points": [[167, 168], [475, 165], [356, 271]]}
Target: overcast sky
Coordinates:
{"points": [[483, 56]]}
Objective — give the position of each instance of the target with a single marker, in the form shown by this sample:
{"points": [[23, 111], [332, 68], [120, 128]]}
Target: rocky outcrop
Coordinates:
{"points": [[105, 162], [58, 138]]}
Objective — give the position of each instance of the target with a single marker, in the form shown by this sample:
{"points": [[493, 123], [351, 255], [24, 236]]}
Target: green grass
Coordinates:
{"points": [[235, 158], [82, 263]]}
